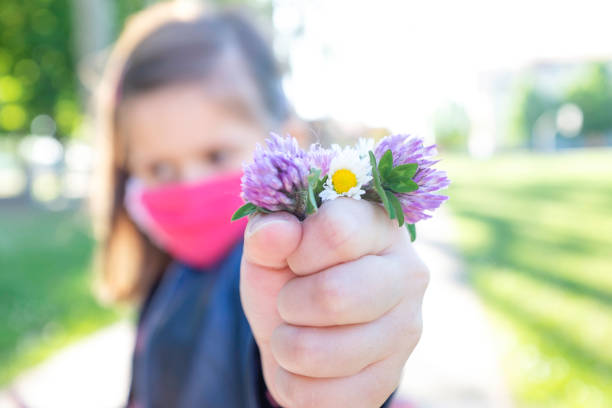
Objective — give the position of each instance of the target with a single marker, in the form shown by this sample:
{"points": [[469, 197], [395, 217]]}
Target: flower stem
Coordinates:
{"points": [[371, 195], [300, 204]]}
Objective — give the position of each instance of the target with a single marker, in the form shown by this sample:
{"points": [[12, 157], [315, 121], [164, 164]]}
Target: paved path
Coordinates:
{"points": [[454, 366], [92, 373]]}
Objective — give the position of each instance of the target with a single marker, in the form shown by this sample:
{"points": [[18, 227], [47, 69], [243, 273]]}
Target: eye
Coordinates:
{"points": [[218, 156], [163, 172]]}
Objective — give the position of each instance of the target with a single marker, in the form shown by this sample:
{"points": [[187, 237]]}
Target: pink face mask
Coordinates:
{"points": [[191, 221]]}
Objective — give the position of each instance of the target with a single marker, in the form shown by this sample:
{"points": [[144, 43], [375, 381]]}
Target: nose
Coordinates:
{"points": [[195, 170]]}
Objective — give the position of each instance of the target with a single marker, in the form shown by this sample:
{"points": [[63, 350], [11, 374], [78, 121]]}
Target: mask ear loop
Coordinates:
{"points": [[132, 200]]}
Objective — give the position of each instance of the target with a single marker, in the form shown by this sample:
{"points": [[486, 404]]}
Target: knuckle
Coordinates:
{"points": [[422, 276], [331, 297], [301, 350], [337, 229], [419, 277], [412, 331]]}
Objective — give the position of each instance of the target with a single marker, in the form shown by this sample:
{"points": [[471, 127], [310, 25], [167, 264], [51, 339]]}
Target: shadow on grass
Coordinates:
{"points": [[536, 242], [497, 253], [551, 335]]}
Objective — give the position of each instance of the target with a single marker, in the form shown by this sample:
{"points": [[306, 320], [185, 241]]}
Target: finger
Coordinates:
{"points": [[264, 271], [259, 288], [269, 368], [353, 292], [342, 230], [345, 350], [270, 238], [369, 388]]}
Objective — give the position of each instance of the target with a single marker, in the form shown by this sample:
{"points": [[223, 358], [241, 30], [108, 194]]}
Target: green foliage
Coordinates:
{"points": [[396, 206], [592, 93], [412, 231], [398, 178], [38, 64], [452, 127], [37, 74], [245, 210], [534, 232], [378, 185], [389, 180], [527, 105], [315, 187], [386, 164]]}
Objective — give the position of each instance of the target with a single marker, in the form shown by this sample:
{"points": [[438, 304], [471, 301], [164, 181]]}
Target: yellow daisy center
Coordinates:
{"points": [[343, 180]]}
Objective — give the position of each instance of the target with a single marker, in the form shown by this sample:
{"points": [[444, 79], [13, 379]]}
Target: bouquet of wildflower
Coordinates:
{"points": [[397, 172]]}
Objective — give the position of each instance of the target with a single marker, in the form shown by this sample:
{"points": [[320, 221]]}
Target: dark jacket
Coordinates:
{"points": [[194, 346]]}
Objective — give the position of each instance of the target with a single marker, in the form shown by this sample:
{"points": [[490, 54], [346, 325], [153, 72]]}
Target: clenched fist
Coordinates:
{"points": [[334, 303]]}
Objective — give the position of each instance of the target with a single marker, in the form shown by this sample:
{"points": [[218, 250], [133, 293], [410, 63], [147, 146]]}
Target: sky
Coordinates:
{"points": [[393, 63]]}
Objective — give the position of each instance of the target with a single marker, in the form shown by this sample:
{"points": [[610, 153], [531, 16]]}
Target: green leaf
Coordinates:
{"points": [[311, 201], [385, 165], [393, 213], [378, 185], [243, 211], [400, 178], [397, 207], [405, 170], [315, 186], [313, 176], [402, 186], [319, 186], [412, 230], [318, 189]]}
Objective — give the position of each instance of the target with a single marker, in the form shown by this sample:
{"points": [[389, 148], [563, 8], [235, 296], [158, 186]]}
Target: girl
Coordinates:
{"points": [[185, 98]]}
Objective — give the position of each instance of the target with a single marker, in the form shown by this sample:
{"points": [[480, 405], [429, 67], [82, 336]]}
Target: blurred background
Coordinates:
{"points": [[518, 97]]}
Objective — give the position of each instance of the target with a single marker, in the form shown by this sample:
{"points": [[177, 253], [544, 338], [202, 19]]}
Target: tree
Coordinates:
{"points": [[528, 103], [36, 65], [41, 44], [592, 93]]}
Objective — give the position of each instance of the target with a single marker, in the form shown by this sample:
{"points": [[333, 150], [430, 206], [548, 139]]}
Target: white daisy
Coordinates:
{"points": [[348, 173], [364, 145]]}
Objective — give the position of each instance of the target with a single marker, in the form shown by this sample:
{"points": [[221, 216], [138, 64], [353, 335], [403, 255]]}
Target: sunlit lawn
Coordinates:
{"points": [[536, 233], [45, 285]]}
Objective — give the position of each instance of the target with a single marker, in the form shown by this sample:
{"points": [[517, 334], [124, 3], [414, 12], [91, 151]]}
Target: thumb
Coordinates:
{"points": [[270, 238], [268, 241]]}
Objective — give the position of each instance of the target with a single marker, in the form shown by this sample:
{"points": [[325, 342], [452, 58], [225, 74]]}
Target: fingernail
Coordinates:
{"points": [[255, 223], [259, 221]]}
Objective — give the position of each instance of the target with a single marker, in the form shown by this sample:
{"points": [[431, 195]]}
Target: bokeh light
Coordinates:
{"points": [[41, 150], [12, 116]]}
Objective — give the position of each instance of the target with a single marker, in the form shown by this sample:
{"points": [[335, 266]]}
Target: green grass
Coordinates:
{"points": [[536, 234], [45, 285]]}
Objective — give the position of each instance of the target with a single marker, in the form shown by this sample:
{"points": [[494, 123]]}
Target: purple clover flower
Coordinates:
{"points": [[320, 158], [407, 149], [276, 176]]}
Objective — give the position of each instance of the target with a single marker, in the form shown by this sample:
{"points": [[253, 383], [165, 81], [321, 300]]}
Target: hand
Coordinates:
{"points": [[334, 303]]}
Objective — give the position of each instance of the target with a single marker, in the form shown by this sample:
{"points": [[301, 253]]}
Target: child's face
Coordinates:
{"points": [[178, 134]]}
